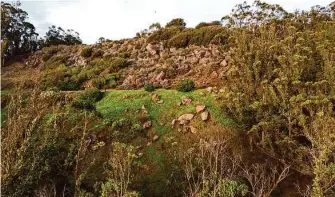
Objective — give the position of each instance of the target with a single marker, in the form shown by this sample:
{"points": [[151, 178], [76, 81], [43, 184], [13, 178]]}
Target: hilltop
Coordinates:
{"points": [[244, 106]]}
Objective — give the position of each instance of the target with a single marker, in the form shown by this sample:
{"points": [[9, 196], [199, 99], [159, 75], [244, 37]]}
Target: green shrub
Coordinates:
{"points": [[99, 82], [204, 24], [205, 35], [163, 34], [177, 22], [181, 39], [124, 55], [86, 52], [97, 53], [87, 99], [49, 52], [186, 86], [149, 87], [119, 63]]}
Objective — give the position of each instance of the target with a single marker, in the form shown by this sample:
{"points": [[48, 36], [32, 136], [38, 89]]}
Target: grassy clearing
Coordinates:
{"points": [[127, 103]]}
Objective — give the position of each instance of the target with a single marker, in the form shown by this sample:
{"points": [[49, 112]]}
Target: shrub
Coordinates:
{"points": [[181, 39], [86, 52], [49, 52], [119, 63], [97, 53], [98, 82], [124, 55], [186, 86], [177, 22], [149, 87], [163, 34], [204, 24], [87, 99]]}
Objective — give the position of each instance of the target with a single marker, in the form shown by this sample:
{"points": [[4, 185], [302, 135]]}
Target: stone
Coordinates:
{"points": [[140, 155], [147, 125], [186, 100], [149, 143], [193, 130], [190, 129], [183, 122], [151, 49], [209, 89], [186, 117], [156, 137], [155, 97], [173, 123], [200, 108], [204, 115], [224, 63]]}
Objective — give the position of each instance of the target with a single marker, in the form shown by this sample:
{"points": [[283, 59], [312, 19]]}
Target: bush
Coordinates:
{"points": [[119, 63], [186, 86], [124, 55], [177, 22], [97, 53], [49, 52], [149, 87], [204, 24], [163, 34], [181, 39], [98, 83], [86, 52], [87, 99]]}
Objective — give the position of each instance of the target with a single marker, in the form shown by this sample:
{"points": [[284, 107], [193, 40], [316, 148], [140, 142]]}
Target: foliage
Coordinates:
{"points": [[177, 22], [86, 52], [185, 85], [99, 82], [119, 171], [57, 36], [87, 99], [97, 53], [181, 39], [18, 36], [163, 34], [118, 63], [204, 24], [149, 87]]}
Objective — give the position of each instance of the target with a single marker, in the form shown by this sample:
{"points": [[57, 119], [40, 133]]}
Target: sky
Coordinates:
{"points": [[117, 19]]}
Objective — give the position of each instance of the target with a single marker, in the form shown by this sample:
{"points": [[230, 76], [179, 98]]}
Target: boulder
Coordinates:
{"points": [[192, 129], [151, 49], [200, 108], [204, 115], [186, 100], [155, 97], [147, 125], [156, 137], [186, 117], [173, 123]]}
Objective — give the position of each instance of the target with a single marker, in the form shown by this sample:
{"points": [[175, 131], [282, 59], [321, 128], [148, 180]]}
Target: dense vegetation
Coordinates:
{"points": [[270, 131]]}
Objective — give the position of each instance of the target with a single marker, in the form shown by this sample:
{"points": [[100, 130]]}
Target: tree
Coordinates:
{"points": [[17, 35], [155, 26], [56, 36], [101, 40], [177, 22]]}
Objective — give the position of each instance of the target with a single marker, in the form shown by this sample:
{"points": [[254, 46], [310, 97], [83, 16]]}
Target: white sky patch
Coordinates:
{"points": [[117, 19]]}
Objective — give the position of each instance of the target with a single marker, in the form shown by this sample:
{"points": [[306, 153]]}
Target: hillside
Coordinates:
{"points": [[244, 106]]}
